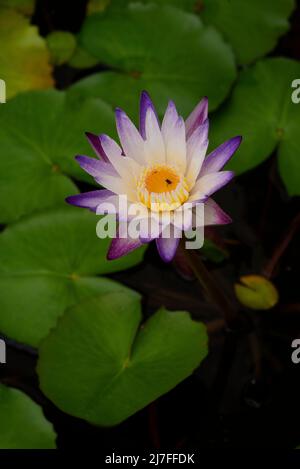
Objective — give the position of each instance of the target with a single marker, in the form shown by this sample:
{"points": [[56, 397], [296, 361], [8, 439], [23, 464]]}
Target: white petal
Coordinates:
{"points": [[182, 218], [208, 184], [169, 120], [114, 154], [176, 145], [130, 138], [196, 149], [154, 144], [117, 185]]}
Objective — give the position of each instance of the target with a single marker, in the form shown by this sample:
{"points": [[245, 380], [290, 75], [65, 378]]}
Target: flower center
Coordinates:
{"points": [[161, 188], [161, 180]]}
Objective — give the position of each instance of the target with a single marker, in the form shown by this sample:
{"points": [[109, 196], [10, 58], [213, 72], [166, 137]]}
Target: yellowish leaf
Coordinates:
{"points": [[256, 292], [24, 58]]}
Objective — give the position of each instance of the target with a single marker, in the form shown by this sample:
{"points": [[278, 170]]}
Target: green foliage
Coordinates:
{"points": [[213, 252], [40, 134], [251, 27], [24, 58], [82, 59], [100, 365], [50, 262], [261, 110], [23, 425], [26, 7], [98, 360], [183, 4], [94, 6], [159, 48], [61, 45]]}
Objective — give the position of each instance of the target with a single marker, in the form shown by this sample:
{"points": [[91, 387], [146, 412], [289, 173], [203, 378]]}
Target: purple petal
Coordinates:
{"points": [[89, 199], [197, 117], [219, 157], [95, 167], [121, 246], [214, 215], [145, 104], [167, 247], [145, 240], [95, 143]]}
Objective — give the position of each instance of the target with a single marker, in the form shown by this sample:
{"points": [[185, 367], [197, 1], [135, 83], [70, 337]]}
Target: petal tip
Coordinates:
{"points": [[145, 95], [68, 199], [111, 255], [72, 199]]}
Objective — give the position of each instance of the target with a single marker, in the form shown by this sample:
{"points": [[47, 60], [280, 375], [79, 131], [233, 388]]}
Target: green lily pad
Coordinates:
{"points": [[188, 5], [261, 110], [61, 45], [164, 50], [100, 365], [23, 425], [214, 253], [26, 7], [251, 27], [48, 263], [24, 57], [40, 133], [94, 6], [82, 59]]}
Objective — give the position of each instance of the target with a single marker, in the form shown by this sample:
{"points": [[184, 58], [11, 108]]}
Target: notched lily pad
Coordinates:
{"points": [[48, 263], [100, 365], [40, 133], [162, 49], [256, 292], [261, 110], [251, 27]]}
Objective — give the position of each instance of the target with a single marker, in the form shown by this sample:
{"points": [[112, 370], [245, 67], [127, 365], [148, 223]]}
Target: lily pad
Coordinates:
{"points": [[188, 5], [100, 365], [94, 6], [82, 59], [23, 425], [48, 263], [61, 45], [26, 7], [261, 110], [24, 57], [162, 49], [40, 134], [251, 27], [213, 252], [256, 292]]}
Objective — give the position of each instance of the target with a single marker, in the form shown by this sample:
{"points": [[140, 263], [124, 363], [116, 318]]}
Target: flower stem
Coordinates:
{"points": [[211, 288], [269, 269]]}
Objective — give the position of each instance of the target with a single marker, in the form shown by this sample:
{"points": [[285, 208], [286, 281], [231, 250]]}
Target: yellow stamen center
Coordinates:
{"points": [[162, 188], [161, 180]]}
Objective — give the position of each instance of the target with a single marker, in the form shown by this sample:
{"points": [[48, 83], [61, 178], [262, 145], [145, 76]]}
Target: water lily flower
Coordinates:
{"points": [[162, 168]]}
